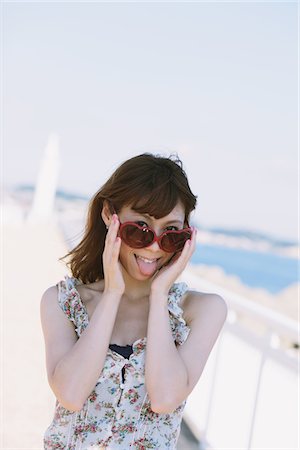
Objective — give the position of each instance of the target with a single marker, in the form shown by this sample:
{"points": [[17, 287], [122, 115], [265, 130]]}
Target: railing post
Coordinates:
{"points": [[258, 384], [211, 392]]}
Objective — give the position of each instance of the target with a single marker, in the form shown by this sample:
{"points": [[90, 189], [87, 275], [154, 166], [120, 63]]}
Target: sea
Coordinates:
{"points": [[266, 270]]}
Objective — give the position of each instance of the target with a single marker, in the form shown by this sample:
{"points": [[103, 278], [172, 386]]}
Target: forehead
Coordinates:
{"points": [[177, 213]]}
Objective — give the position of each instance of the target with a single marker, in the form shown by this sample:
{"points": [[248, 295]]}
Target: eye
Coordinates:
{"points": [[172, 227], [141, 223]]}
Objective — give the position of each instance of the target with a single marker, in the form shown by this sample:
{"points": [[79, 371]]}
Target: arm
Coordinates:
{"points": [[74, 365], [171, 372]]}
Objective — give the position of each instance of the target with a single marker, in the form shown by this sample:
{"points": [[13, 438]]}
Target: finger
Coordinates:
{"points": [[116, 250], [114, 225], [187, 250], [111, 236], [193, 238], [112, 229], [191, 244], [187, 247]]}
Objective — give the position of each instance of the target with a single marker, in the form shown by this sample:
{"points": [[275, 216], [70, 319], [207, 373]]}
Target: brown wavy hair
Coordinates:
{"points": [[148, 183]]}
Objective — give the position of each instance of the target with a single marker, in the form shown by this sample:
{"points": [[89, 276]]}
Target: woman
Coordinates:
{"points": [[126, 344]]}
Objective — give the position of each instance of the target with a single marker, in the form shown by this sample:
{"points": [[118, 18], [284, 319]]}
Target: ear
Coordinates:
{"points": [[106, 213]]}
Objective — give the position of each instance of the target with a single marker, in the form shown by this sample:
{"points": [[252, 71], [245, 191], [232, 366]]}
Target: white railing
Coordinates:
{"points": [[246, 398]]}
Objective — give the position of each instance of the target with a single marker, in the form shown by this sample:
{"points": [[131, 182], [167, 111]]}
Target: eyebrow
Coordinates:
{"points": [[180, 222]]}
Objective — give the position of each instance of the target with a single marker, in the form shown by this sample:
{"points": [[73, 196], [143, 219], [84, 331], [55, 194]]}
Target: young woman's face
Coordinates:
{"points": [[143, 263]]}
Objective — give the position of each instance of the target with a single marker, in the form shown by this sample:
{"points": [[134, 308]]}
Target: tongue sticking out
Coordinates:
{"points": [[147, 268]]}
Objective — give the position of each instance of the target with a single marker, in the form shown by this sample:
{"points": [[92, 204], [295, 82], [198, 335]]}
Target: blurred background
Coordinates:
{"points": [[85, 86]]}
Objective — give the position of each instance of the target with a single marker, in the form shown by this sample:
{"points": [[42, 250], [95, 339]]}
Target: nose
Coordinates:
{"points": [[154, 246]]}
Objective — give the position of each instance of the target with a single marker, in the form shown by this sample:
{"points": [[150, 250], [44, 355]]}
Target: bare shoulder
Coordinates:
{"points": [[52, 316], [198, 305], [49, 297], [58, 330]]}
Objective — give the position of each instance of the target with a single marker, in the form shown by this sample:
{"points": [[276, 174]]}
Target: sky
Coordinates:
{"points": [[215, 82]]}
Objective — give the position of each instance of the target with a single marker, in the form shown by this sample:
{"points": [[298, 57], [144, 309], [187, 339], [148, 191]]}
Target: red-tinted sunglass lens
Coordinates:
{"points": [[174, 242], [136, 237]]}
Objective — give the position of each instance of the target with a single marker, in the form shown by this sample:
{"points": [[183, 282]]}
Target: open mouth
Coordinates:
{"points": [[146, 260], [147, 266]]}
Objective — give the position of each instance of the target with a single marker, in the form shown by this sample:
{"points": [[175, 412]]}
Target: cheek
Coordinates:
{"points": [[170, 257], [125, 253]]}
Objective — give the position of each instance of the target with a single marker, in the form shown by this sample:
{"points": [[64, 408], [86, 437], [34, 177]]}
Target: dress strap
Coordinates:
{"points": [[70, 302], [180, 330]]}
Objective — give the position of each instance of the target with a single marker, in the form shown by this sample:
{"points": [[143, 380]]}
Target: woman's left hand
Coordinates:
{"points": [[165, 278]]}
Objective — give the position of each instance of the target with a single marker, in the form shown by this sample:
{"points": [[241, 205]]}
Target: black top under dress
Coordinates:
{"points": [[124, 350]]}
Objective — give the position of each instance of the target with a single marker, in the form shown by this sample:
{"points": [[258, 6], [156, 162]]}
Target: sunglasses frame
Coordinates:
{"points": [[156, 238]]}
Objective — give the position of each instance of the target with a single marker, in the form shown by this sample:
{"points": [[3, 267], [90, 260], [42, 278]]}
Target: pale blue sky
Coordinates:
{"points": [[215, 82]]}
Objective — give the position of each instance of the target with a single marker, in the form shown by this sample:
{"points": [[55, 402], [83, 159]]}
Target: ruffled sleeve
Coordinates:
{"points": [[70, 302], [180, 330]]}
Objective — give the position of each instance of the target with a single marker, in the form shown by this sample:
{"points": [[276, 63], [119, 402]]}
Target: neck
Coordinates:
{"points": [[136, 291]]}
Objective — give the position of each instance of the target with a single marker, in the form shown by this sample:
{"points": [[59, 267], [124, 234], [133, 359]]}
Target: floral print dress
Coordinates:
{"points": [[117, 415]]}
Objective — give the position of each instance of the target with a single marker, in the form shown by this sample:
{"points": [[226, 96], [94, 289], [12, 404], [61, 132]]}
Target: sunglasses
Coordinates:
{"points": [[137, 236]]}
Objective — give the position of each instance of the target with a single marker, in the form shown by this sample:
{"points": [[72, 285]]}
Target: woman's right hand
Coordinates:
{"points": [[113, 277]]}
